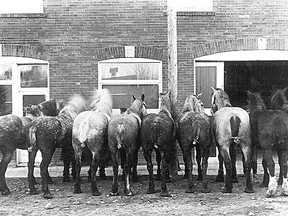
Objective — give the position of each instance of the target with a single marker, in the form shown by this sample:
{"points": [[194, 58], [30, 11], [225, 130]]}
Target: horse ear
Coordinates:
{"points": [[199, 95], [142, 97], [213, 89], [134, 98]]}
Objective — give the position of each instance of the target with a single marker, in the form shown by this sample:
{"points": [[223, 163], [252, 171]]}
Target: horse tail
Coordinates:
{"points": [[235, 125], [154, 133], [83, 131], [196, 126], [280, 130], [119, 135], [32, 138]]}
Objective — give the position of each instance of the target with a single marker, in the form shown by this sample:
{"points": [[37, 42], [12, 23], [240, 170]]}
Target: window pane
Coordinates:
{"points": [[122, 95], [5, 71], [5, 99], [33, 76], [130, 71], [29, 100]]}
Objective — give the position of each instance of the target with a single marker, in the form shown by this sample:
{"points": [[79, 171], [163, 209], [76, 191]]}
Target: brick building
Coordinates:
{"points": [[78, 45]]}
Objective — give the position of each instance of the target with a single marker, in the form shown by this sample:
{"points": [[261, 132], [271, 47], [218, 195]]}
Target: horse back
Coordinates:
{"points": [[232, 122], [124, 129], [11, 129]]}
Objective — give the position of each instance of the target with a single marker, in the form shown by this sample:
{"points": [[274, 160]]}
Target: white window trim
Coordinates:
{"points": [[130, 82]]}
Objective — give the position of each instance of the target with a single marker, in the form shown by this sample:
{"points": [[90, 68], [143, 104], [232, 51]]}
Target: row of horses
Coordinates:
{"points": [[77, 126]]}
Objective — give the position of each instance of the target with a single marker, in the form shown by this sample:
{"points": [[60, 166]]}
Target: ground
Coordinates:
{"points": [[181, 203]]}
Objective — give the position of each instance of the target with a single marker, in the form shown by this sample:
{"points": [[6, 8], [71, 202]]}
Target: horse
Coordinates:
{"points": [[194, 131], [231, 128], [279, 100], [124, 138], [13, 130], [271, 127], [158, 131], [47, 133], [90, 129]]}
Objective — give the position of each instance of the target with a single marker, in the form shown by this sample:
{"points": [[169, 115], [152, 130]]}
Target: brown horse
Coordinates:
{"points": [[90, 129], [271, 128], [231, 126], [14, 129], [279, 100], [194, 131], [48, 133], [158, 132], [124, 138]]}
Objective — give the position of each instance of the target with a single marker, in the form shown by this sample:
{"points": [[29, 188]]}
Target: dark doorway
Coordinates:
{"points": [[260, 76]]}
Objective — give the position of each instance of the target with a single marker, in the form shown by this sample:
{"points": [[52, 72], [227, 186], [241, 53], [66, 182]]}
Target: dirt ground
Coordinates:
{"points": [[181, 203]]}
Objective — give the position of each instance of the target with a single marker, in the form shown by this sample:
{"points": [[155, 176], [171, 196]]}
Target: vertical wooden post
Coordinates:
{"points": [[172, 55], [172, 76]]}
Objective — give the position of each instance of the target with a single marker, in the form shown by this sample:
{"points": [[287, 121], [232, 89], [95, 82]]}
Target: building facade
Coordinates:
{"points": [[64, 47]]}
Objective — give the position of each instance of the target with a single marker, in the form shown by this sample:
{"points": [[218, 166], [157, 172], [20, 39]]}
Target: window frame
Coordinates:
{"points": [[158, 82], [27, 8]]}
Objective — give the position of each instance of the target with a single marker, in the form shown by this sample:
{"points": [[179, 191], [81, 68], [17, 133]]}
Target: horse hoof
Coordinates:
{"points": [[47, 196], [113, 193], [77, 191], [206, 190], [190, 190], [226, 190], [96, 193], [128, 193], [66, 179], [6, 192], [49, 181], [33, 192], [185, 176], [165, 194], [247, 190], [219, 179], [263, 185], [151, 191]]}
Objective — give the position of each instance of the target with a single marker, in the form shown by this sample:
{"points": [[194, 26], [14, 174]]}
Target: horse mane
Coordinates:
{"points": [[190, 104], [225, 101], [255, 102], [135, 106], [102, 101], [75, 105]]}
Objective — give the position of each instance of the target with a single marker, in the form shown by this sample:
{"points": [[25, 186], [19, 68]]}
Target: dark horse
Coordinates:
{"points": [[48, 133], [279, 100], [158, 132], [90, 129], [124, 138], [231, 126], [271, 127], [194, 131], [13, 130]]}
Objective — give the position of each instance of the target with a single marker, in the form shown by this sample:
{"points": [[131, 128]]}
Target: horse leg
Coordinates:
{"points": [[283, 171], [7, 156], [123, 161], [147, 156], [164, 170], [246, 152], [272, 186], [127, 169], [198, 159], [114, 191], [31, 165], [280, 161], [220, 176], [206, 153], [78, 155], [188, 169], [265, 181], [228, 166], [46, 160], [94, 167], [158, 160], [66, 163], [134, 175], [254, 160], [233, 156]]}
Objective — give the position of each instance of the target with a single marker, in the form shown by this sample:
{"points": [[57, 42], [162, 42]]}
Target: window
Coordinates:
{"points": [[126, 76], [34, 75], [21, 6]]}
